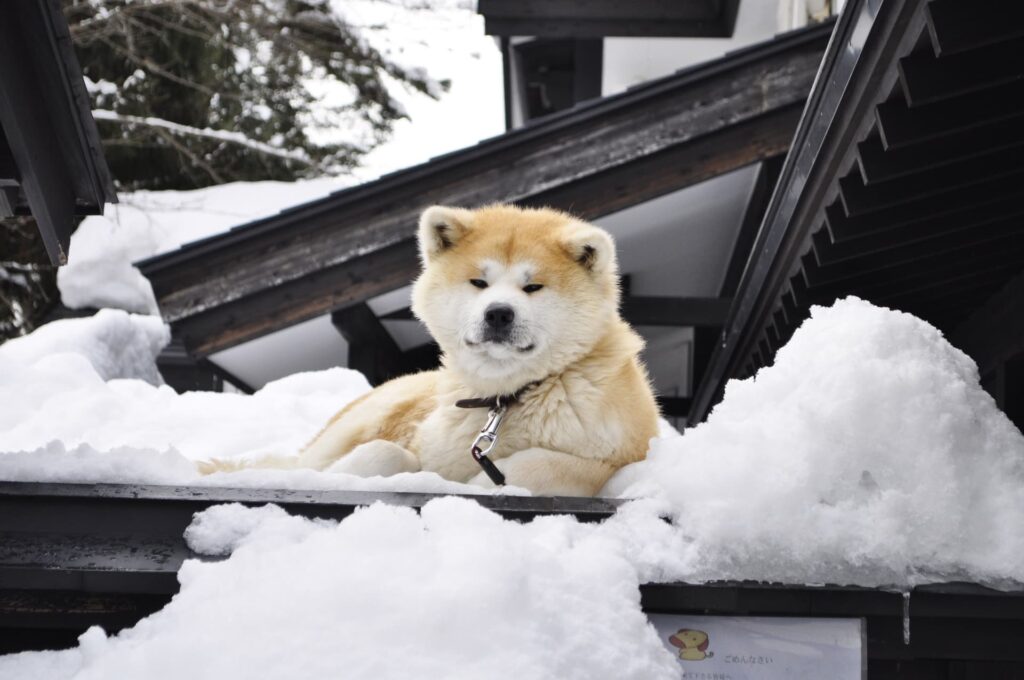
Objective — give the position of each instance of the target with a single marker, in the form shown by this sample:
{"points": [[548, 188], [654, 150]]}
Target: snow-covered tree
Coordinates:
{"points": [[189, 93], [28, 282]]}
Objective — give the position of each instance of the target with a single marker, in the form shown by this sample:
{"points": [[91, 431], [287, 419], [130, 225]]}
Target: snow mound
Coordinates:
{"points": [[455, 592], [221, 529], [868, 453], [112, 343], [99, 373], [85, 465]]}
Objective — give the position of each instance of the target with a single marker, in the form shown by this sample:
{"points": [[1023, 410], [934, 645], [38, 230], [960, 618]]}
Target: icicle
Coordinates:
{"points": [[906, 617]]}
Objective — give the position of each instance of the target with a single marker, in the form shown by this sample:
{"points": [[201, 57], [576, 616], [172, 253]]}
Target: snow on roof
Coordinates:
{"points": [[455, 592], [867, 454], [100, 272]]}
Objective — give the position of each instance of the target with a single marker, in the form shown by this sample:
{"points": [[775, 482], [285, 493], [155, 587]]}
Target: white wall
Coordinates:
{"points": [[309, 346], [630, 61]]}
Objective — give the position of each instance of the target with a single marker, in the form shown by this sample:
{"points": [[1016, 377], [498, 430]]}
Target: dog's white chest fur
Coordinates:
{"points": [[561, 415]]}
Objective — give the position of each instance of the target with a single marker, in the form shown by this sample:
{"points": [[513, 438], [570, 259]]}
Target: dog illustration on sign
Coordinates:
{"points": [[692, 644]]}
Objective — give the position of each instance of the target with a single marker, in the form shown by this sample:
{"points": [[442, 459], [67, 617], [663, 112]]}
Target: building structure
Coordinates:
{"points": [[899, 186], [51, 163], [678, 168]]}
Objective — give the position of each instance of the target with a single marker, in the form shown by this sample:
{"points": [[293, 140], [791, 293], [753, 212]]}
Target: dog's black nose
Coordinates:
{"points": [[499, 316]]}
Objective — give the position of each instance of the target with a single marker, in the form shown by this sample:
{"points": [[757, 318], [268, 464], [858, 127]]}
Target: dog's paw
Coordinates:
{"points": [[212, 465], [378, 458]]}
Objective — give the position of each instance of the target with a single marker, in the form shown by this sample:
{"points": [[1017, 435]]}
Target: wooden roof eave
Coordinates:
{"points": [[865, 40], [903, 185], [597, 158], [45, 116]]}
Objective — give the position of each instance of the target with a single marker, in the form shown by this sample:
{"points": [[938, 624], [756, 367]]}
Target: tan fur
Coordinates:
{"points": [[592, 412]]}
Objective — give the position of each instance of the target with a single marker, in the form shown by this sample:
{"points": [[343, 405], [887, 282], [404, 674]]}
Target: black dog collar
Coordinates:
{"points": [[488, 436]]}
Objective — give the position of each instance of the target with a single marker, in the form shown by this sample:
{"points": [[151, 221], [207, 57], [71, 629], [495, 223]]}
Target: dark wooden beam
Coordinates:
{"points": [[613, 9], [859, 198], [968, 218], [757, 204], [1013, 390], [403, 314], [857, 73], [8, 201], [1005, 231], [927, 78], [219, 327], [704, 342], [599, 18], [875, 282], [675, 311], [588, 61], [902, 126], [48, 129], [927, 290], [25, 116], [371, 349], [956, 26], [991, 190], [598, 28], [345, 248], [673, 407], [9, 179], [994, 334], [188, 374], [425, 357], [878, 164], [663, 172], [506, 75]]}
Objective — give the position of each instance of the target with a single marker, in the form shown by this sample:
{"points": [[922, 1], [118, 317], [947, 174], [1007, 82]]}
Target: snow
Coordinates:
{"points": [[454, 592], [447, 36], [110, 345], [84, 464], [100, 272], [866, 454], [68, 368]]}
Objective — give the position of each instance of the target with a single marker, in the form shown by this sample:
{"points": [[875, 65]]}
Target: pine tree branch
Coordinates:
{"points": [[208, 133], [159, 70], [183, 150]]}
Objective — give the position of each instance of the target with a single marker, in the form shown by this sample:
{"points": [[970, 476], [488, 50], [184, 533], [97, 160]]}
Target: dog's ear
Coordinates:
{"points": [[441, 228], [592, 248]]}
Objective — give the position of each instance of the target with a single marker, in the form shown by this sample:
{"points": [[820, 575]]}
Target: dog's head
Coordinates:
{"points": [[512, 295]]}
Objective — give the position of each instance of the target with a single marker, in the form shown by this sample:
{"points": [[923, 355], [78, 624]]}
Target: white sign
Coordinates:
{"points": [[756, 647]]}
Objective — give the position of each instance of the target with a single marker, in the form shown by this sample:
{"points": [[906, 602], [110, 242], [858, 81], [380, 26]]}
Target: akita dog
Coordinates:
{"points": [[524, 305]]}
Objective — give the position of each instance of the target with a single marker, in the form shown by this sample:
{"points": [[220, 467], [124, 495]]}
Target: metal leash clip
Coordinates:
{"points": [[489, 436]]}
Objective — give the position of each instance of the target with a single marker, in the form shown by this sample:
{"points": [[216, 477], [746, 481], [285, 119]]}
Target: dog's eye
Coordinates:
{"points": [[479, 283], [532, 288]]}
